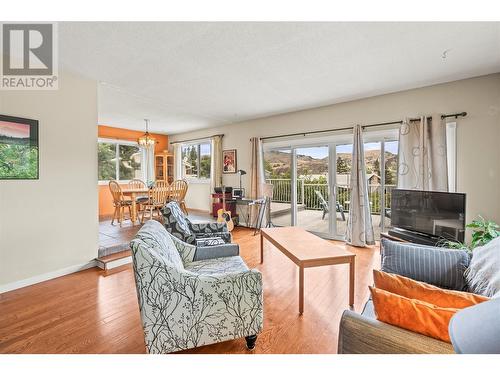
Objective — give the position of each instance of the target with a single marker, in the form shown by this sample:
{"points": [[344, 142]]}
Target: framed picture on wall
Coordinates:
{"points": [[18, 148], [229, 161]]}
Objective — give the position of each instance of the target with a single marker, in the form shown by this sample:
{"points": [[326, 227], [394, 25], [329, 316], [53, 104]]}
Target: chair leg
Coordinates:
{"points": [[142, 214], [120, 218], [115, 216], [251, 342]]}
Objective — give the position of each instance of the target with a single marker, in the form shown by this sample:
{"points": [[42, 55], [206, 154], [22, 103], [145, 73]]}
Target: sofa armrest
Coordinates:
{"points": [[243, 297], [210, 229], [217, 251], [363, 335]]}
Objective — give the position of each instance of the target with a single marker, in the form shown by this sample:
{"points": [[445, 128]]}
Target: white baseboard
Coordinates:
{"points": [[114, 263], [46, 276]]}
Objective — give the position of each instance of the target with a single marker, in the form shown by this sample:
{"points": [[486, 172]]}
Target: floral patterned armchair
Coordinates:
{"points": [[185, 303], [181, 227]]}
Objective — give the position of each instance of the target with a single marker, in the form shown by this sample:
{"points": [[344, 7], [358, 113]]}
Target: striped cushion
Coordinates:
{"points": [[434, 265]]}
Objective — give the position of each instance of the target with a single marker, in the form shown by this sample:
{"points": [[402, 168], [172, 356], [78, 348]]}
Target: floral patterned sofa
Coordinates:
{"points": [[185, 303]]}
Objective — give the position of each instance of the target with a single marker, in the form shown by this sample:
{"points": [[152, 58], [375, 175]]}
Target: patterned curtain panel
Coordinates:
{"points": [[359, 224], [257, 179], [216, 162], [422, 155]]}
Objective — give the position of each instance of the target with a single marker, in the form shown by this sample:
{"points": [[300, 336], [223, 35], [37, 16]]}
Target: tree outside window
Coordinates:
{"points": [[196, 160], [117, 161]]}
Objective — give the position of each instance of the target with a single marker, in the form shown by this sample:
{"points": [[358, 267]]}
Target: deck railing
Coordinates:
{"points": [[282, 193]]}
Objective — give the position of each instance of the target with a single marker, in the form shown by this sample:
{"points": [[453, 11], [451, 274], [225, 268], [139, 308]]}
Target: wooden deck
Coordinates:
{"points": [[312, 220]]}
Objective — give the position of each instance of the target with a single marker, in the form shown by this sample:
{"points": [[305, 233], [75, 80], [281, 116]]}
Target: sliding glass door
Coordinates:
{"points": [[278, 171], [312, 187]]}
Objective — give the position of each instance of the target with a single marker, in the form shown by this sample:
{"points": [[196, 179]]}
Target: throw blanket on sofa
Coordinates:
{"points": [[483, 274]]}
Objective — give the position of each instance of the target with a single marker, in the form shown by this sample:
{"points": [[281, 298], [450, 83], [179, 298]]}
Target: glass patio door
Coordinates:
{"points": [[312, 201], [312, 187], [278, 169]]}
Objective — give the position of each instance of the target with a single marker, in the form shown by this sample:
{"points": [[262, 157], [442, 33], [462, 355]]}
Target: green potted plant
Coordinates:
{"points": [[483, 231]]}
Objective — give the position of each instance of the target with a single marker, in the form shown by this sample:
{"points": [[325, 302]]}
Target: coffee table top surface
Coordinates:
{"points": [[302, 246]]}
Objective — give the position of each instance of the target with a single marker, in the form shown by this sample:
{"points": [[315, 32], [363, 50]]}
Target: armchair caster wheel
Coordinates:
{"points": [[251, 342]]}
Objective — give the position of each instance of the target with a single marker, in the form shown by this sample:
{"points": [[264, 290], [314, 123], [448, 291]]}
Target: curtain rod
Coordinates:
{"points": [[456, 115], [197, 139]]}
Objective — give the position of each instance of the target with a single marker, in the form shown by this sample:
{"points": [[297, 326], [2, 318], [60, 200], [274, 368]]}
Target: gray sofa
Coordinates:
{"points": [[364, 334], [186, 303], [212, 240]]}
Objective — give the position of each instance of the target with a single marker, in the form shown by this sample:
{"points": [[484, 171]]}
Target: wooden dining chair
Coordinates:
{"points": [[157, 198], [136, 184], [142, 199], [119, 202], [178, 194]]}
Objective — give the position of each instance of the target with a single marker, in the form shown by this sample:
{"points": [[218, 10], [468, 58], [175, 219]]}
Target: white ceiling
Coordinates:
{"points": [[187, 76]]}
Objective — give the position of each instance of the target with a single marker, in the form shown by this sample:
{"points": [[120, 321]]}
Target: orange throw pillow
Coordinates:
{"points": [[412, 289], [411, 314]]}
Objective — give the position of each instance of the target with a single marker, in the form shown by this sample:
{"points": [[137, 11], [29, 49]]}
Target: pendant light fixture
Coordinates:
{"points": [[146, 140]]}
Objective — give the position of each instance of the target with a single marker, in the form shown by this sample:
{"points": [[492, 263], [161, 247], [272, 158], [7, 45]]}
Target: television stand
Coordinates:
{"points": [[402, 235]]}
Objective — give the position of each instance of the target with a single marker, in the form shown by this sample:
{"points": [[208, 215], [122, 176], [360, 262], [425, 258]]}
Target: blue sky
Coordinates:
{"points": [[205, 149], [322, 151]]}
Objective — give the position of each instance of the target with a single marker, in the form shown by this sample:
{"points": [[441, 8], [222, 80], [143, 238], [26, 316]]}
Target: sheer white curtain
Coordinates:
{"points": [[148, 169], [422, 160], [216, 162], [177, 161], [257, 179], [359, 224]]}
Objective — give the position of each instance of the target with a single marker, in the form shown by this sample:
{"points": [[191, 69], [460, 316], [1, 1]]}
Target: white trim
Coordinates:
{"points": [[46, 276], [193, 180], [106, 182], [114, 263], [117, 141]]}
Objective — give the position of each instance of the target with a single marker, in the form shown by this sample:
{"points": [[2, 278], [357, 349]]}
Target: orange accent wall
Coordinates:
{"points": [[105, 200]]}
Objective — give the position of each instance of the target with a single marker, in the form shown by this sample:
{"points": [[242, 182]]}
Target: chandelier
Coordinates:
{"points": [[146, 140]]}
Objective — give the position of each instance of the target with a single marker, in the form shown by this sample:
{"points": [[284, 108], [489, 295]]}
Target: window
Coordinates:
{"points": [[196, 160], [120, 161]]}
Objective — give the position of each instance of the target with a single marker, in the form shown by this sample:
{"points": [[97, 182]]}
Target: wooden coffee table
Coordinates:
{"points": [[307, 250]]}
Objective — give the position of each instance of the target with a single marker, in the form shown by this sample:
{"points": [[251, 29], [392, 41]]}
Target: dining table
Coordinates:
{"points": [[134, 193]]}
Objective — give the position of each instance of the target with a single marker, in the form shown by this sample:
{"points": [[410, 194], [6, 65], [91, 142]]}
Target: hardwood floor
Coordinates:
{"points": [[95, 312]]}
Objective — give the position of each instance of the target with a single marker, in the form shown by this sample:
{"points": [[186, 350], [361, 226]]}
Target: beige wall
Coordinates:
{"points": [[50, 225], [478, 134]]}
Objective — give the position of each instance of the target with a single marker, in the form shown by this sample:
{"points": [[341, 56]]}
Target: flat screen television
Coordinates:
{"points": [[435, 214]]}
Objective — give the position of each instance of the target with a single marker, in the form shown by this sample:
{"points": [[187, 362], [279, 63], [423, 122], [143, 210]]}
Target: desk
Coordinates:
{"points": [[246, 202]]}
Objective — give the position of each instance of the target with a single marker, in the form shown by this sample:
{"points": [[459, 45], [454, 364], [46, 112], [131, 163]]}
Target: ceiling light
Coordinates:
{"points": [[146, 140]]}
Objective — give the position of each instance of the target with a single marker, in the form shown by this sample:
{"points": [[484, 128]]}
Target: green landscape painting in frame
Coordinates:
{"points": [[18, 148]]}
